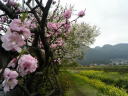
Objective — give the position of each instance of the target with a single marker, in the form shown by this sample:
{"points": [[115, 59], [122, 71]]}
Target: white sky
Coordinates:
{"points": [[111, 16]]}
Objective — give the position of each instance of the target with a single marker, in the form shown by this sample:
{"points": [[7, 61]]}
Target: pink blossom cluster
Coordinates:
{"points": [[54, 29], [57, 28], [53, 26], [26, 64], [59, 42], [16, 35], [20, 27], [10, 79]]}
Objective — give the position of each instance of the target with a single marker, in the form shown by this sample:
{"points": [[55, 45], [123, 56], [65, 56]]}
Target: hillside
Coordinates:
{"points": [[105, 54]]}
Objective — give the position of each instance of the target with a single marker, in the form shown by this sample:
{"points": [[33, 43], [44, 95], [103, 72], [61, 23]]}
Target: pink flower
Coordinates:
{"points": [[27, 64], [20, 27], [9, 79], [67, 14], [9, 74], [12, 41], [81, 13]]}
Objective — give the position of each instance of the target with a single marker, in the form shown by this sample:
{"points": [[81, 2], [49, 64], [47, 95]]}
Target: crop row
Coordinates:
{"points": [[120, 69], [105, 89], [114, 78]]}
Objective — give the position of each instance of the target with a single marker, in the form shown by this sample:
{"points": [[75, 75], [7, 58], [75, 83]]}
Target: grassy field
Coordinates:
{"points": [[78, 87], [96, 82], [107, 68]]}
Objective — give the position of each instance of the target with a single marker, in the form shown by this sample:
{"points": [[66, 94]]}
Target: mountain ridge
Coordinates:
{"points": [[104, 54]]}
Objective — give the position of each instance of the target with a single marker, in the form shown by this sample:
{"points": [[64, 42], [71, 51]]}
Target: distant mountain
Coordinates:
{"points": [[104, 55]]}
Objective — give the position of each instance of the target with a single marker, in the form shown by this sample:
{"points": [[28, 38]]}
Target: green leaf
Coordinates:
{"points": [[23, 16]]}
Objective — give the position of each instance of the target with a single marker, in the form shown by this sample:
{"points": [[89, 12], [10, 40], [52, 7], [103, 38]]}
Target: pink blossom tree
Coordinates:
{"points": [[31, 36]]}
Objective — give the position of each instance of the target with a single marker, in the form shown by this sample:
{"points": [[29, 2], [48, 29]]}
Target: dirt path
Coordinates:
{"points": [[77, 91]]}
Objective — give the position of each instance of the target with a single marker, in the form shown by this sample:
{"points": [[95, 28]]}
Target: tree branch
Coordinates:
{"points": [[40, 5], [7, 10]]}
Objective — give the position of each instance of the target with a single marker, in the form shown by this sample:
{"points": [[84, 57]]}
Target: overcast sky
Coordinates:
{"points": [[111, 16]]}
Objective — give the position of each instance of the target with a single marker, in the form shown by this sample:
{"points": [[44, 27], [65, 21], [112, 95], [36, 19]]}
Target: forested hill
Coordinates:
{"points": [[104, 55]]}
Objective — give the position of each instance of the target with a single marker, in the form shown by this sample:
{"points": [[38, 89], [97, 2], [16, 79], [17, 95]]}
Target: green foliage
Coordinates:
{"points": [[23, 16]]}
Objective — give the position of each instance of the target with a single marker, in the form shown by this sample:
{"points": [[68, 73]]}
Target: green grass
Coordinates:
{"points": [[79, 88]]}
